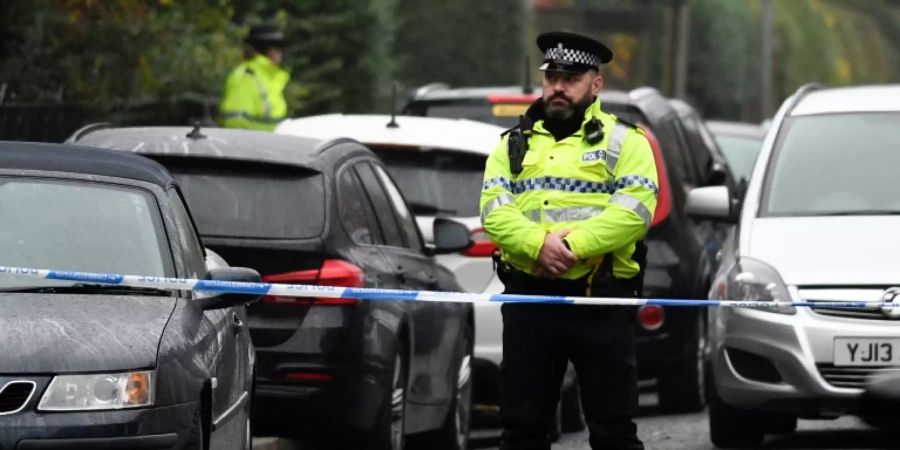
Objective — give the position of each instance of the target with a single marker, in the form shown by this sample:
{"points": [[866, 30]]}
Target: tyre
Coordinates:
{"points": [[390, 426], [730, 427], [454, 432], [682, 385]]}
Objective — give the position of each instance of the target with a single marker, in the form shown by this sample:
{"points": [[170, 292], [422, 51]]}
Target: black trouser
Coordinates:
{"points": [[538, 342]]}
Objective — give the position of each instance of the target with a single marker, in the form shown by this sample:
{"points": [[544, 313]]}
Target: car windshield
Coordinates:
{"points": [[252, 201], [740, 153], [835, 164], [79, 226], [436, 181]]}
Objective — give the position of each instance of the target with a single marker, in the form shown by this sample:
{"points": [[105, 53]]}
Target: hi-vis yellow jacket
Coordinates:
{"points": [[605, 193], [254, 95]]}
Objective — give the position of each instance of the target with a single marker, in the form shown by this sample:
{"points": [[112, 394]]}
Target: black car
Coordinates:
{"points": [[327, 212], [100, 366], [681, 251]]}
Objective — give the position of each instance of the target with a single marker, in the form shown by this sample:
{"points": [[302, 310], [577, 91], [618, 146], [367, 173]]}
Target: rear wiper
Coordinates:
{"points": [[422, 208], [85, 288]]}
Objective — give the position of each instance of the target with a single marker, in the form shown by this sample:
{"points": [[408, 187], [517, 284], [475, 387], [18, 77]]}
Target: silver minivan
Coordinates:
{"points": [[820, 222]]}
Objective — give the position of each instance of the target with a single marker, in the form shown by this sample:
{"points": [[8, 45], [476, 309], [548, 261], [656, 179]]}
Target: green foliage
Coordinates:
{"points": [[461, 42], [114, 53]]}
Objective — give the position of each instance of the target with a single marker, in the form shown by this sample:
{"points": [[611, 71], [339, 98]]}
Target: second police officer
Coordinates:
{"points": [[568, 195]]}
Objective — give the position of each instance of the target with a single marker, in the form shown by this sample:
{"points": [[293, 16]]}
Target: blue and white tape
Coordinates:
{"points": [[315, 291]]}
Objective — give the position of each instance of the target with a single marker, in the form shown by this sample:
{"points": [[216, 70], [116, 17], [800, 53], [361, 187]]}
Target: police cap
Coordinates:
{"points": [[570, 52], [265, 36]]}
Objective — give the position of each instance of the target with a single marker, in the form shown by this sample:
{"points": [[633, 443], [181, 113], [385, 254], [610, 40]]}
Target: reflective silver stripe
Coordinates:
{"points": [[635, 205], [572, 214], [267, 107], [615, 146], [497, 202]]}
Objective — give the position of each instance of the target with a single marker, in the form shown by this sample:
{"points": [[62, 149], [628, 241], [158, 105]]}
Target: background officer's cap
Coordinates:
{"points": [[265, 36], [570, 52]]}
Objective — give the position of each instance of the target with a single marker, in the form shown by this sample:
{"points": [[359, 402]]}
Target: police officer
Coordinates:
{"points": [[254, 91], [567, 196]]}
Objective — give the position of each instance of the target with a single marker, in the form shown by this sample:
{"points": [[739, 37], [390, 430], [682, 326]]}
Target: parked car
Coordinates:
{"points": [[740, 144], [439, 165], [326, 212], [497, 105], [101, 366], [818, 224], [681, 250]]}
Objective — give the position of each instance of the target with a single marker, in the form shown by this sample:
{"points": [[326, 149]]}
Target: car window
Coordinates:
{"points": [[356, 212], [670, 144], [820, 168], [385, 214], [407, 221], [740, 153], [700, 150], [252, 201], [194, 260], [81, 226], [436, 182]]}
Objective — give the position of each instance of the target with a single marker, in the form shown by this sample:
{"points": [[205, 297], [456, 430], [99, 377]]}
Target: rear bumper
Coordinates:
{"points": [[166, 427]]}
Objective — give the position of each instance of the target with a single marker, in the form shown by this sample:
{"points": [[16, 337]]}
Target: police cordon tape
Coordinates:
{"points": [[317, 291]]}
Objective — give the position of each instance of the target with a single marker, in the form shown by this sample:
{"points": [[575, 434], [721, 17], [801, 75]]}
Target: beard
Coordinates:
{"points": [[560, 107]]}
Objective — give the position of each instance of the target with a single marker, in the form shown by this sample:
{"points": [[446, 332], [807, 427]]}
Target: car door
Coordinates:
{"points": [[230, 344], [403, 250]]}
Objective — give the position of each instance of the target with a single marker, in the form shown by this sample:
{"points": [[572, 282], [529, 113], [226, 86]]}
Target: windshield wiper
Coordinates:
{"points": [[862, 212], [85, 288], [422, 208]]}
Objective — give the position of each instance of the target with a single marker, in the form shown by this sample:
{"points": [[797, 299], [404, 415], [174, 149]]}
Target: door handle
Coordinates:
{"points": [[236, 323]]}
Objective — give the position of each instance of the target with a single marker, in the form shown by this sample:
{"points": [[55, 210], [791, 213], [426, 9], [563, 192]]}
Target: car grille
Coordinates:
{"points": [[847, 293], [852, 377], [14, 395], [856, 313]]}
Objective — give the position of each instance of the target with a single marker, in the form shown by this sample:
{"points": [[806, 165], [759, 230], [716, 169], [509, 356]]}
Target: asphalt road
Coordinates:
{"points": [[691, 432]]}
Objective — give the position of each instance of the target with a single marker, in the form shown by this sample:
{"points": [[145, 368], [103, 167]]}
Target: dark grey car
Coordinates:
{"points": [[327, 212], [94, 366]]}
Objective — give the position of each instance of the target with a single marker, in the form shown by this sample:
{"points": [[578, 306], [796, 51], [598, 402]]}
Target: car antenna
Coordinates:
{"points": [[528, 88], [393, 122], [195, 133]]}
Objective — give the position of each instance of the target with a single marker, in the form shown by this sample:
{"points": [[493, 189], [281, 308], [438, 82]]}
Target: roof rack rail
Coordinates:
{"points": [[421, 91], [800, 93], [85, 130]]}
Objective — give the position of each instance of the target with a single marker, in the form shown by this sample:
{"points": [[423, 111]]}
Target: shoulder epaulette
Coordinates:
{"points": [[626, 123]]}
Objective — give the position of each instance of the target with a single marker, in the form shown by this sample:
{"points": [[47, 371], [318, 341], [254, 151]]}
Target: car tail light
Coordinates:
{"points": [[483, 246], [664, 204], [521, 99], [334, 272], [651, 317], [308, 376]]}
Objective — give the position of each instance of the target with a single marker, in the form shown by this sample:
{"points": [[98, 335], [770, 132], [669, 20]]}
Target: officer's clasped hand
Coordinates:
{"points": [[555, 258]]}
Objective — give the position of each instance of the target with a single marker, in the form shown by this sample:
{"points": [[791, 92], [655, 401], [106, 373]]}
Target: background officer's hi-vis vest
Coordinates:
{"points": [[603, 188], [254, 96]]}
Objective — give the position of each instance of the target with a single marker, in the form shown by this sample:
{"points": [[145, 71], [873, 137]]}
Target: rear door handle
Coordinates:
{"points": [[236, 323]]}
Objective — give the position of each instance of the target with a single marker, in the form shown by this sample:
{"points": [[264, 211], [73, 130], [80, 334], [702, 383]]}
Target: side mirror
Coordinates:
{"points": [[241, 274], [450, 236], [710, 203]]}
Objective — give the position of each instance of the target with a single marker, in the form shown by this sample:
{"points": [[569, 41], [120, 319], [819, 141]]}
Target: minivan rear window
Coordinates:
{"points": [[240, 200], [436, 182]]}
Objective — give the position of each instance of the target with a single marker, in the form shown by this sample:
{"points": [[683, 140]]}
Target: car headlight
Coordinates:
{"points": [[99, 391], [753, 280]]}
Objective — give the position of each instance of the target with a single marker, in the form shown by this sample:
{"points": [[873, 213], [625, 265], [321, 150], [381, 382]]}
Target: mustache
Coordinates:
{"points": [[559, 96]]}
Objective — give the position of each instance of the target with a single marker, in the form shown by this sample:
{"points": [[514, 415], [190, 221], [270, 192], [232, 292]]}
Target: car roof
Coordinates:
{"points": [[82, 160], [425, 132], [448, 93], [742, 129], [881, 98], [216, 143]]}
